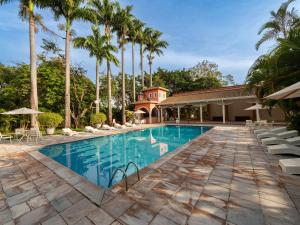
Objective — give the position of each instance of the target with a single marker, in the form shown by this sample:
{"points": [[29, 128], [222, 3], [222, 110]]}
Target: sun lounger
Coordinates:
{"points": [[91, 129], [290, 166], [119, 126], [274, 130], [284, 135], [278, 141], [106, 127], [5, 137], [284, 149], [69, 132]]}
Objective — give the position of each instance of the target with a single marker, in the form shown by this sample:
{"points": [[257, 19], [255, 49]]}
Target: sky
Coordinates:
{"points": [[221, 31]]}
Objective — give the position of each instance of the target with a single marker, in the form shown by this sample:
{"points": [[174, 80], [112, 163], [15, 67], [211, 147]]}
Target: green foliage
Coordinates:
{"points": [[129, 115], [294, 122], [98, 118], [50, 120]]}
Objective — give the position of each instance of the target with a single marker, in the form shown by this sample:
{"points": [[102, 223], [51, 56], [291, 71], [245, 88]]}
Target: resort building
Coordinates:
{"points": [[223, 105]]}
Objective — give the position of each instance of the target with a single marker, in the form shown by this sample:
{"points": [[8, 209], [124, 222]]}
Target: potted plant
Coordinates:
{"points": [[50, 121], [97, 119]]}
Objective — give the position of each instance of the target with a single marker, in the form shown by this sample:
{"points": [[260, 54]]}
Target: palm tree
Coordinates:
{"points": [[154, 46], [122, 22], [105, 11], [98, 47], [27, 11], [280, 24], [134, 31], [70, 11], [141, 39]]}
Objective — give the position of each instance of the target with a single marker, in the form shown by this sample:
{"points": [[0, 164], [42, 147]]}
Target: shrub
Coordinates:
{"points": [[50, 120], [294, 122], [98, 118], [129, 115]]}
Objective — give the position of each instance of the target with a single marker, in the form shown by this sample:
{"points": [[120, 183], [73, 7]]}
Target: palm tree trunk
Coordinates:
{"points": [[97, 87], [109, 94], [33, 67], [133, 75], [110, 119], [150, 68], [142, 66], [123, 88], [67, 71]]}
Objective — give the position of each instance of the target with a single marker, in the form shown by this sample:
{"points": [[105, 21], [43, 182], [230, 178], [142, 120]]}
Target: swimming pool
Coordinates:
{"points": [[96, 159]]}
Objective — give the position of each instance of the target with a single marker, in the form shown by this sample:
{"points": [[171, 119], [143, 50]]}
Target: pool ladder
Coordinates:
{"points": [[124, 174]]}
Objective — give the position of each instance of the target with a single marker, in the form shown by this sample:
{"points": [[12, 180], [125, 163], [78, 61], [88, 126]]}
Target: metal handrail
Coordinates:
{"points": [[114, 174], [137, 169]]}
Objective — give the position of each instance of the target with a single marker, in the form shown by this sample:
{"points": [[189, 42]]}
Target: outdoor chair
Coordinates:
{"points": [[278, 141], [284, 135], [69, 132], [290, 166], [20, 133], [91, 130], [284, 149], [34, 133], [5, 137]]}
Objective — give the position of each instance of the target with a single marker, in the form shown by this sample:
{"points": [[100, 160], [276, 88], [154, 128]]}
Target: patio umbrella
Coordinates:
{"points": [[22, 111], [292, 91], [256, 107]]}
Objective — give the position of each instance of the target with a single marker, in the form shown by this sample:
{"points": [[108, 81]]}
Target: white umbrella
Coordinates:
{"points": [[139, 112], [22, 111], [256, 107], [292, 91]]}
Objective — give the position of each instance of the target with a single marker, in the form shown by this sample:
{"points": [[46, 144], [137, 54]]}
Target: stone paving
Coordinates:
{"points": [[224, 177]]}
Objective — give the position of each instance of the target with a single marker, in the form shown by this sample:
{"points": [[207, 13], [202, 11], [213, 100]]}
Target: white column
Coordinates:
{"points": [[224, 113], [178, 113], [201, 114]]}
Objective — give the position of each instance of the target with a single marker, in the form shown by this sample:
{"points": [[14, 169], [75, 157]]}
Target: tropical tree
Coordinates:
{"points": [[70, 11], [134, 31], [98, 47], [279, 25], [104, 12], [27, 12], [122, 23], [154, 45]]}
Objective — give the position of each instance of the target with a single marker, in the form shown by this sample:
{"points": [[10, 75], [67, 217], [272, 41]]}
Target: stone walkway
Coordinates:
{"points": [[224, 177]]}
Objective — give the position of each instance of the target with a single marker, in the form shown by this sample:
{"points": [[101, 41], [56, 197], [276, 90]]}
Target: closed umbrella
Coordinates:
{"points": [[292, 91]]}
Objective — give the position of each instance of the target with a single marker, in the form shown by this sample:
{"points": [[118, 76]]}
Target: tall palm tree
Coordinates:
{"points": [[98, 47], [27, 12], [70, 10], [122, 23], [141, 39], [134, 31], [154, 45], [279, 25], [105, 11]]}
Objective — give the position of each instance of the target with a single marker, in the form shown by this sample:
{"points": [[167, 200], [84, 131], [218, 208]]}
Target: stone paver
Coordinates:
{"points": [[224, 177]]}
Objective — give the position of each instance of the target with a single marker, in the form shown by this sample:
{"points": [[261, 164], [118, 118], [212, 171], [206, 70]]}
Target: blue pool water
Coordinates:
{"points": [[97, 158]]}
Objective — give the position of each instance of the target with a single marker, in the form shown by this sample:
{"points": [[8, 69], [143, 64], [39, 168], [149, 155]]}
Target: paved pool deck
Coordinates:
{"points": [[222, 177]]}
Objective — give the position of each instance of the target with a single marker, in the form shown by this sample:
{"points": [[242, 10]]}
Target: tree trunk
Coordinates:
{"points": [[133, 75], [97, 87], [67, 91], [150, 68], [142, 66], [33, 67], [123, 88], [109, 94]]}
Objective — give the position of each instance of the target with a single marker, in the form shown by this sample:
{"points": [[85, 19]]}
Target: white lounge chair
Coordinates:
{"points": [[69, 132], [290, 166], [91, 130], [284, 135], [274, 130], [284, 149], [5, 137], [119, 126], [278, 141], [106, 127]]}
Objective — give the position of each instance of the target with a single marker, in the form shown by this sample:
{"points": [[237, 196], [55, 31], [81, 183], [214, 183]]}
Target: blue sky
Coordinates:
{"points": [[221, 31]]}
